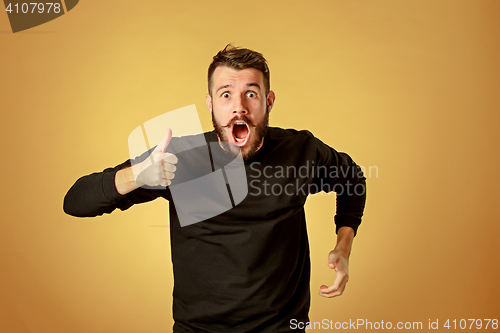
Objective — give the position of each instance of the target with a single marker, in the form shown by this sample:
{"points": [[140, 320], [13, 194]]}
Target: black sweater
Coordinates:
{"points": [[247, 269]]}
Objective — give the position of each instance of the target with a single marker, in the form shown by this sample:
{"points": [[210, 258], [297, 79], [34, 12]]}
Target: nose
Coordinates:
{"points": [[239, 106]]}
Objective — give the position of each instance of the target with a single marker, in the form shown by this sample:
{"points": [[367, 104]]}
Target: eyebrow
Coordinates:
{"points": [[223, 87], [252, 84]]}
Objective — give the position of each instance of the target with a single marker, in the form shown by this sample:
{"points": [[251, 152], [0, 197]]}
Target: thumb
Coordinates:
{"points": [[162, 146], [332, 260]]}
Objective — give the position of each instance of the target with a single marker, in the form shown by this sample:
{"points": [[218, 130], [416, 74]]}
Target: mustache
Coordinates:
{"points": [[236, 118]]}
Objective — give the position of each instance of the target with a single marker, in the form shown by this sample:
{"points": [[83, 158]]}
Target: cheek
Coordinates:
{"points": [[220, 117], [259, 106], [221, 110]]}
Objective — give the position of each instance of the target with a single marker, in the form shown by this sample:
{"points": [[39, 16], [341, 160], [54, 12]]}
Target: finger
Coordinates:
{"points": [[340, 280], [334, 293], [162, 146], [164, 182], [337, 287], [169, 167], [334, 287], [171, 158], [169, 175], [166, 157]]}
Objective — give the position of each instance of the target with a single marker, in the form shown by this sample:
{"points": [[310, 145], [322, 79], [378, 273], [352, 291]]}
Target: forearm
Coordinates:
{"points": [[92, 195], [103, 192], [345, 236], [96, 194]]}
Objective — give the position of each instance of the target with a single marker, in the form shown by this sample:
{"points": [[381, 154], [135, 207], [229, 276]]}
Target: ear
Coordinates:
{"points": [[208, 100], [271, 97]]}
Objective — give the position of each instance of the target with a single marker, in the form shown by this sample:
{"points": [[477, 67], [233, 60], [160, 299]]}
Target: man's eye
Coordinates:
{"points": [[225, 95], [251, 94]]}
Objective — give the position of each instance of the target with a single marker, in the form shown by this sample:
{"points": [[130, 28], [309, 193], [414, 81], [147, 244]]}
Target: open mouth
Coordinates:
{"points": [[240, 132]]}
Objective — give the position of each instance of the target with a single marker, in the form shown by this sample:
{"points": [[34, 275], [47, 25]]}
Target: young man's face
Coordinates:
{"points": [[240, 107]]}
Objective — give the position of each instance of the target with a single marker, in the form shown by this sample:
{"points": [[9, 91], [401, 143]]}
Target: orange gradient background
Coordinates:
{"points": [[409, 88]]}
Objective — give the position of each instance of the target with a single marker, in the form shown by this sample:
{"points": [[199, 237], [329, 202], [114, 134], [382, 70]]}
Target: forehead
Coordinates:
{"points": [[224, 75]]}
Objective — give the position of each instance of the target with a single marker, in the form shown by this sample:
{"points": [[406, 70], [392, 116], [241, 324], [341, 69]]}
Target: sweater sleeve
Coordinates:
{"points": [[96, 194], [336, 171]]}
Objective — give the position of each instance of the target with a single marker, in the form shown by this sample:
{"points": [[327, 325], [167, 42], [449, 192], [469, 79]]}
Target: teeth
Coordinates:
{"points": [[239, 123]]}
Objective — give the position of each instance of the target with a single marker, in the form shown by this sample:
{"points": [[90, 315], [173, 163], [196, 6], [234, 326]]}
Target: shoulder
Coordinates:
{"points": [[303, 139], [291, 142], [279, 133], [298, 139]]}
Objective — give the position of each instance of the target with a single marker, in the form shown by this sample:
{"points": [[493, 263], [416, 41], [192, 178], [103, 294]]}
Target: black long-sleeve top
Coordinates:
{"points": [[247, 269]]}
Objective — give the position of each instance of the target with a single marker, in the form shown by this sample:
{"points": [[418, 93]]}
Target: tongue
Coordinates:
{"points": [[240, 131]]}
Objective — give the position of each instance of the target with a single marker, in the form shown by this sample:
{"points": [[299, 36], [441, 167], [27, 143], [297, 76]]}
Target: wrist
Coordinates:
{"points": [[125, 180]]}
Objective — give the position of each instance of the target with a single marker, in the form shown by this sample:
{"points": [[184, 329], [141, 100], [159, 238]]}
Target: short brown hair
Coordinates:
{"points": [[239, 58]]}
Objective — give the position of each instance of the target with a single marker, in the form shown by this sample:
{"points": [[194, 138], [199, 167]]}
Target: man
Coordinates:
{"points": [[247, 269]]}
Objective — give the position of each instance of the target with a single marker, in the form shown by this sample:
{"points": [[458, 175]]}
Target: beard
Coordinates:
{"points": [[261, 130]]}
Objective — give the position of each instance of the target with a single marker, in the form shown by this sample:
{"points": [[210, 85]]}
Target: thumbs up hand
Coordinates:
{"points": [[159, 168]]}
